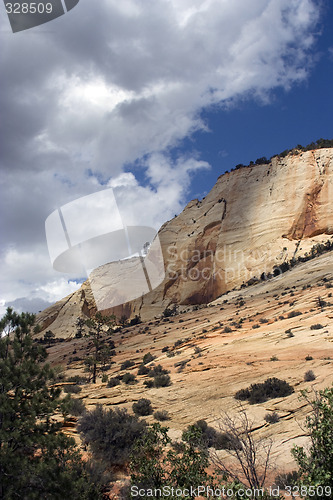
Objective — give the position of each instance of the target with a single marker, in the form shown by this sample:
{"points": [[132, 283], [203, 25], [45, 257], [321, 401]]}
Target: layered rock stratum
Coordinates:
{"points": [[254, 219]]}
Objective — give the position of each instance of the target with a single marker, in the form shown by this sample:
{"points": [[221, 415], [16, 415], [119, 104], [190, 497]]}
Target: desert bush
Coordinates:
{"points": [[147, 358], [127, 364], [165, 348], [286, 479], [113, 382], [270, 389], [78, 379], [148, 383], [274, 358], [129, 378], [110, 433], [309, 376], [316, 326], [161, 415], [209, 437], [143, 369], [292, 314], [227, 329], [104, 378], [76, 407], [142, 407], [157, 370], [272, 418], [72, 389], [162, 380], [308, 357]]}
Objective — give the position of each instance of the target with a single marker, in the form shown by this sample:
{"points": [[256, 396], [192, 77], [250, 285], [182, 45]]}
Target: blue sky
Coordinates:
{"points": [[154, 99], [252, 128]]}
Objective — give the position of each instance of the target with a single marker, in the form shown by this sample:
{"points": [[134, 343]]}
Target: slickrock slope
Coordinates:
{"points": [[242, 338], [253, 219]]}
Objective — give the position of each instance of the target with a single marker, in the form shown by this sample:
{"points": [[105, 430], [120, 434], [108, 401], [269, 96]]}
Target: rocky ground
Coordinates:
{"points": [[241, 338]]}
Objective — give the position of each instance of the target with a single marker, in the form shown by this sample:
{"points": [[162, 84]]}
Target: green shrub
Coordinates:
{"points": [[76, 407], [157, 370], [148, 383], [227, 329], [104, 378], [292, 314], [309, 376], [78, 379], [270, 389], [110, 433], [162, 380], [286, 479], [129, 378], [127, 364], [72, 389], [308, 358], [161, 415], [143, 370], [142, 407], [113, 382], [208, 437], [316, 326], [272, 418], [147, 358]]}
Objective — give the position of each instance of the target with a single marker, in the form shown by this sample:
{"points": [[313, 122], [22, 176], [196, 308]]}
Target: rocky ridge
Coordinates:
{"points": [[253, 219]]}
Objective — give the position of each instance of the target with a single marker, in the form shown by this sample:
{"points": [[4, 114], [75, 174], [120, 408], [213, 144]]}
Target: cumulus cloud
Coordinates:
{"points": [[114, 85]]}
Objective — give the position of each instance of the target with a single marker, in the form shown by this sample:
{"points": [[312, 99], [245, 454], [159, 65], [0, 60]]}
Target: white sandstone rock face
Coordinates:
{"points": [[253, 219]]}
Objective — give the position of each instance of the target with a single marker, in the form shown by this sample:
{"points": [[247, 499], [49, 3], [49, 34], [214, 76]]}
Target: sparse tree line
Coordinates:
{"points": [[37, 460], [319, 144]]}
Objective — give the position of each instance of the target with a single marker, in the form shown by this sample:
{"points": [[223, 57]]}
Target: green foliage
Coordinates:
{"points": [[309, 376], [142, 407], [270, 389], [76, 407], [113, 382], [36, 459], [170, 311], [153, 467], [161, 415], [147, 358], [49, 336], [72, 389], [127, 364], [208, 437], [110, 433], [143, 369], [97, 328], [272, 418], [162, 380], [316, 464], [129, 378]]}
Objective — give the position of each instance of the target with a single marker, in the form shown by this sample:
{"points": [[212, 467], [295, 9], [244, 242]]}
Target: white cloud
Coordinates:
{"points": [[120, 82]]}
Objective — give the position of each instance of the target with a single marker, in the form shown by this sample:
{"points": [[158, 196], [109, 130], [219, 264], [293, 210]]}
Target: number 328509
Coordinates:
{"points": [[28, 8]]}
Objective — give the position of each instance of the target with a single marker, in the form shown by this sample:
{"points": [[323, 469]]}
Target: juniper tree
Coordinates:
{"points": [[97, 328], [36, 459]]}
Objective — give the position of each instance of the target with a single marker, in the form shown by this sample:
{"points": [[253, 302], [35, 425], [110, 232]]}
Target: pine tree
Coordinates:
{"points": [[36, 459]]}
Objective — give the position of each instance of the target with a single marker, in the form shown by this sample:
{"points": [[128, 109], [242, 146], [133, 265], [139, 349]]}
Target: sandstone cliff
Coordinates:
{"points": [[253, 219]]}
